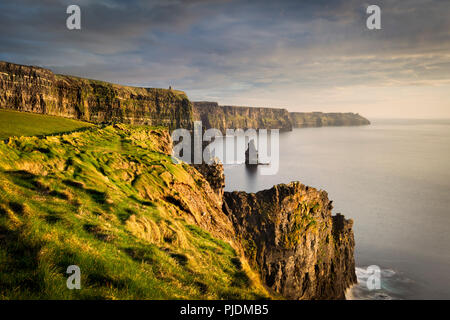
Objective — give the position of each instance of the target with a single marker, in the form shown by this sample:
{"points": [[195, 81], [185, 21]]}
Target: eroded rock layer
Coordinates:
{"points": [[39, 90], [234, 117], [289, 235], [212, 115], [34, 89]]}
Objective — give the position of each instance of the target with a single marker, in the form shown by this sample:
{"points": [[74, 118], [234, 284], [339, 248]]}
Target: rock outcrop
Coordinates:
{"points": [[251, 154], [213, 173], [235, 117], [34, 89], [320, 119], [289, 235], [290, 238]]}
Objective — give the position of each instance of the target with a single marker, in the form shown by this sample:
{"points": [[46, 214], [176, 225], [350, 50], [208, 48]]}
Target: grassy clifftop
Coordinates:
{"points": [[13, 123], [111, 201]]}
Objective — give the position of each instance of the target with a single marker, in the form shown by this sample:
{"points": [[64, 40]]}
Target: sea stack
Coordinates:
{"points": [[251, 154]]}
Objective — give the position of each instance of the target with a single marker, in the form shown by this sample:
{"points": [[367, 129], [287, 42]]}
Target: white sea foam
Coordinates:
{"points": [[392, 286]]}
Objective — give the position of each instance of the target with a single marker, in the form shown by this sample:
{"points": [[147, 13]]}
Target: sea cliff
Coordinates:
{"points": [[290, 237], [321, 119], [111, 201], [213, 115], [39, 90], [236, 117]]}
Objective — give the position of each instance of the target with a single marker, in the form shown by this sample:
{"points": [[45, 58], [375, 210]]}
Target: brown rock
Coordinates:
{"points": [[38, 90], [213, 173], [291, 238], [235, 117]]}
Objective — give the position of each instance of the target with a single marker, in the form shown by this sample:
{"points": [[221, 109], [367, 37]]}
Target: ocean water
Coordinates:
{"points": [[393, 179]]}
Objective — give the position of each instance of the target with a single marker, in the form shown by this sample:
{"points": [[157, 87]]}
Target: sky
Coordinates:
{"points": [[311, 55]]}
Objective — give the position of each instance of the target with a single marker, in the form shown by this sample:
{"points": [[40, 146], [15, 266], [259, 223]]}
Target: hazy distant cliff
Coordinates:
{"points": [[320, 119], [213, 115], [222, 117], [39, 90]]}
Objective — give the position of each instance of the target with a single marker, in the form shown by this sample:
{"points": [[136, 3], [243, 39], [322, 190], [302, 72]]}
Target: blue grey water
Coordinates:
{"points": [[393, 179]]}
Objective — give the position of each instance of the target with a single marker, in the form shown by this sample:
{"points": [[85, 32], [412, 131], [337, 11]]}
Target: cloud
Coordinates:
{"points": [[234, 50]]}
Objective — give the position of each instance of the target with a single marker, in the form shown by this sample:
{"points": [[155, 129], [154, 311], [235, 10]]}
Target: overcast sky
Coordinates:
{"points": [[311, 55]]}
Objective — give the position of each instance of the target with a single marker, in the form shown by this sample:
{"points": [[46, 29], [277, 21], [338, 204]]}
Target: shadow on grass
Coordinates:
{"points": [[22, 262], [98, 196]]}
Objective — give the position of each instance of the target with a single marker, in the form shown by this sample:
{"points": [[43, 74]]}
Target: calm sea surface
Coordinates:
{"points": [[393, 179]]}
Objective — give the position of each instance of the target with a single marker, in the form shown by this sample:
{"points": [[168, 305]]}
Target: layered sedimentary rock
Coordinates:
{"points": [[34, 89], [235, 117], [289, 235], [212, 115], [39, 90], [320, 119]]}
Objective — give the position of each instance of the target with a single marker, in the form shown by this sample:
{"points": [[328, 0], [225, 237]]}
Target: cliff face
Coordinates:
{"points": [[111, 201], [289, 235], [213, 115], [38, 90], [114, 194], [320, 119], [33, 89], [222, 117]]}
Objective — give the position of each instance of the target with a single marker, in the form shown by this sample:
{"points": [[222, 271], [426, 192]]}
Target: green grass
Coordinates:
{"points": [[303, 221], [111, 201], [13, 123]]}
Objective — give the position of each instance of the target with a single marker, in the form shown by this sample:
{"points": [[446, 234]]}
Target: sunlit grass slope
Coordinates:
{"points": [[111, 201], [13, 123]]}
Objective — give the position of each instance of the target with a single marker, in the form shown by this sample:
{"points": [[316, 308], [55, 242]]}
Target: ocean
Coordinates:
{"points": [[393, 179]]}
